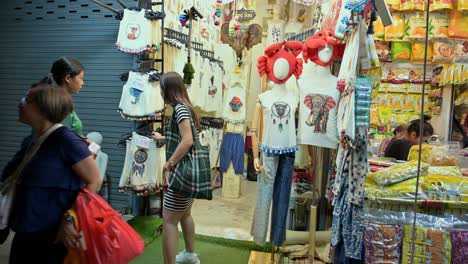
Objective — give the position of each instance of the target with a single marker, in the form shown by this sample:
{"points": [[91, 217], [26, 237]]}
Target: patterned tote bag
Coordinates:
{"points": [[191, 175]]}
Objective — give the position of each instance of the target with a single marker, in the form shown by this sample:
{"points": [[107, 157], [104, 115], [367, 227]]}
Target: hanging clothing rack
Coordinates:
{"points": [[302, 36]]}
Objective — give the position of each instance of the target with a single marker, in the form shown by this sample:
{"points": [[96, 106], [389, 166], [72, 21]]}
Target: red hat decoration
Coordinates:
{"points": [[318, 41], [287, 50]]}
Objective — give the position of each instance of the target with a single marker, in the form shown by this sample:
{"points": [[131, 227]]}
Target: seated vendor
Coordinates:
{"points": [[399, 148]]}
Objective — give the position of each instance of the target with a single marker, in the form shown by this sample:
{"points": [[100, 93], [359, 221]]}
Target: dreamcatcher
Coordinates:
{"points": [[280, 110]]}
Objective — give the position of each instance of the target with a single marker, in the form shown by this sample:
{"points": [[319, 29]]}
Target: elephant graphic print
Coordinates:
{"points": [[317, 117], [320, 106]]}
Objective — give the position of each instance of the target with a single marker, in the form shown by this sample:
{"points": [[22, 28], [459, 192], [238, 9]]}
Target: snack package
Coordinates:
{"points": [[379, 29], [458, 25], [401, 51], [445, 188], [462, 5], [461, 52], [417, 52], [397, 102], [465, 74], [431, 246], [437, 75], [382, 243], [398, 173], [416, 26], [383, 50], [420, 5], [445, 170], [395, 73], [441, 5], [393, 5], [438, 25], [443, 51], [457, 75], [397, 87], [440, 157], [398, 30], [406, 5], [448, 74], [426, 151]]}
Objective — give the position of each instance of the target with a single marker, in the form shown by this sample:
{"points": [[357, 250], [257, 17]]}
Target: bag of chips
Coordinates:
{"points": [[458, 25], [398, 29], [438, 25], [417, 52], [443, 51], [416, 26], [461, 52], [401, 51], [383, 50], [379, 29], [441, 5]]}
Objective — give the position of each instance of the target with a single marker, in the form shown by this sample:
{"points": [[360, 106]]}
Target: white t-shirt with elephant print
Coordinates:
{"points": [[279, 128], [318, 108]]}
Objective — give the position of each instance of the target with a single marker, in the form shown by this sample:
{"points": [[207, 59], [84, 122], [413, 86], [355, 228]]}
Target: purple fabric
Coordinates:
{"points": [[459, 246]]}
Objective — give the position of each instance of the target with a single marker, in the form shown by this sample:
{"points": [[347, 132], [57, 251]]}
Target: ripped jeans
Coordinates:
{"points": [[273, 184]]}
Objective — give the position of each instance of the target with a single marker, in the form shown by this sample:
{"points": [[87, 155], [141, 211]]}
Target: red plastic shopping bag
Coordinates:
{"points": [[109, 239]]}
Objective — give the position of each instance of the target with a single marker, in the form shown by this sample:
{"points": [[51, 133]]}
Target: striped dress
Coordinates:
{"points": [[174, 201]]}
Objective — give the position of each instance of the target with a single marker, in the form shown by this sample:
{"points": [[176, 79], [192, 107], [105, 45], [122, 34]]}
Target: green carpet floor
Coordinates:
{"points": [[212, 250]]}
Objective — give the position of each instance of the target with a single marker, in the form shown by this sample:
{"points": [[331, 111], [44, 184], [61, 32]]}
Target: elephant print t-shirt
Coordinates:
{"points": [[279, 128], [317, 115]]}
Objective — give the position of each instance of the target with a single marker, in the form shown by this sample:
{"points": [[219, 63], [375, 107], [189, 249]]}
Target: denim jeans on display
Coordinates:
{"points": [[273, 184], [232, 149]]}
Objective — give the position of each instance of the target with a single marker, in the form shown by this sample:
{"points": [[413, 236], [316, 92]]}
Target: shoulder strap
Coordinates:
{"points": [[30, 152]]}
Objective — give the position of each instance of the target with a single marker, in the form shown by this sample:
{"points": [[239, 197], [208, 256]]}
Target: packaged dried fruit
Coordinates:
{"points": [[406, 5], [465, 74], [461, 52], [417, 52], [458, 25], [398, 173], [445, 188], [426, 151], [438, 25], [401, 51], [416, 26], [398, 30], [393, 4], [420, 5], [443, 51], [441, 5]]}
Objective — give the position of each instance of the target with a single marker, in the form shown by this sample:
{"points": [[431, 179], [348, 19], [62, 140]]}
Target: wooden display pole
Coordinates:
{"points": [[313, 227]]}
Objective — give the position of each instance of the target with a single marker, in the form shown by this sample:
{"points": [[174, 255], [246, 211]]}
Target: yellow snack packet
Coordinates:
{"points": [[406, 5], [465, 74], [416, 26], [420, 5], [441, 5], [438, 25], [379, 29], [462, 5], [417, 52], [398, 29], [445, 188], [401, 51], [458, 25], [445, 170], [398, 173], [457, 75], [426, 151], [461, 52], [393, 4]]}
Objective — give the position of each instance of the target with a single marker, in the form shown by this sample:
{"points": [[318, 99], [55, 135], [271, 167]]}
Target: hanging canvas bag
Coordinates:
{"points": [[192, 175], [8, 187]]}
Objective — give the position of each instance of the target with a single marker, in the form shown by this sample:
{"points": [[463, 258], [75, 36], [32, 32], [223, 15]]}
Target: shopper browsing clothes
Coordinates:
{"points": [[180, 142], [399, 148], [49, 173]]}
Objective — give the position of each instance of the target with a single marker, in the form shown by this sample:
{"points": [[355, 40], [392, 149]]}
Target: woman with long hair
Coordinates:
{"points": [[177, 207]]}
